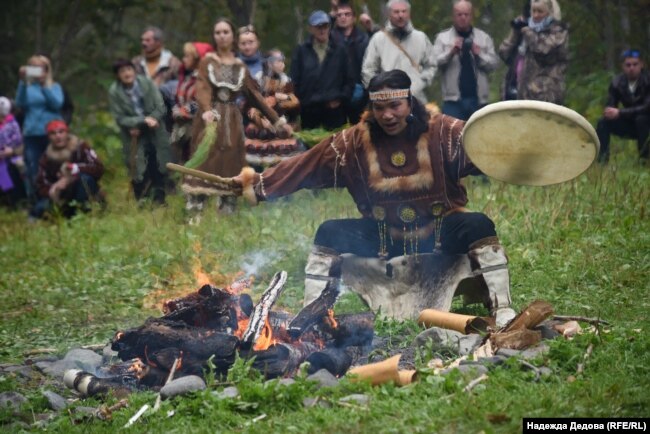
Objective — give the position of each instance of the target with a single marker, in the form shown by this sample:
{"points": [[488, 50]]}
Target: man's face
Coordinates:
{"points": [[399, 15], [149, 43], [632, 67], [462, 16], [321, 33], [126, 75], [58, 138], [345, 17], [391, 115]]}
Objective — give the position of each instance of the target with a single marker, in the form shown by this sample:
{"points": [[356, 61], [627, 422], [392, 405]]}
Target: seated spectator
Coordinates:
{"points": [[11, 141], [186, 106], [68, 173], [631, 90], [139, 110]]}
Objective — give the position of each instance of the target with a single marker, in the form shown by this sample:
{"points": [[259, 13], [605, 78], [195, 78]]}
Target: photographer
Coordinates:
{"points": [[41, 100], [465, 55], [542, 42]]}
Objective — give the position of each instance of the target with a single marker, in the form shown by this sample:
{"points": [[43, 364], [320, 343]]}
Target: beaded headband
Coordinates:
{"points": [[388, 94]]}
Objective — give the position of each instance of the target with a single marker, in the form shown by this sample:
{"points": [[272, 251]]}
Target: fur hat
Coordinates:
{"points": [[5, 106]]}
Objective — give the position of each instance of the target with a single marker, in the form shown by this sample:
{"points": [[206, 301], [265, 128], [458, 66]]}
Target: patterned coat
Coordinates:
{"points": [[402, 183], [545, 61]]}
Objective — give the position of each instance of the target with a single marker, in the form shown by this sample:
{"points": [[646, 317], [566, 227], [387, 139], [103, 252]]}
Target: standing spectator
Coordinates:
{"points": [[401, 46], [322, 76], [545, 48], [355, 41], [156, 62], [138, 109], [464, 55], [40, 99], [631, 90], [68, 172], [11, 183], [513, 58], [248, 44], [185, 108], [218, 136]]}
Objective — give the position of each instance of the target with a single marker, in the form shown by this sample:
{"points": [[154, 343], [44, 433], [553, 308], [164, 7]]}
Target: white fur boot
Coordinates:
{"points": [[323, 266]]}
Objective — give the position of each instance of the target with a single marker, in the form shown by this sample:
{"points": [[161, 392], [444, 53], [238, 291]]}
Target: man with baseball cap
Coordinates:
{"points": [[322, 76]]}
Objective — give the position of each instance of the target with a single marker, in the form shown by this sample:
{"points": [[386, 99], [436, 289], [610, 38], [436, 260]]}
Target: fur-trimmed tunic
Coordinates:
{"points": [[217, 88], [76, 151], [385, 177]]}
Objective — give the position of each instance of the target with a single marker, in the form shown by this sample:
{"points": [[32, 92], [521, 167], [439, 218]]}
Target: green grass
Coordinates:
{"points": [[584, 246]]}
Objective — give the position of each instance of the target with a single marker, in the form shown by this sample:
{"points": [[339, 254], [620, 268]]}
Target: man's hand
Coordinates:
{"points": [[335, 103], [58, 187], [366, 22], [458, 45], [134, 132], [151, 122], [476, 50], [611, 113]]}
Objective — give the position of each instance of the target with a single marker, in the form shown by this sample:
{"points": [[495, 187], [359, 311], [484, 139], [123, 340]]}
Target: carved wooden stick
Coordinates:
{"points": [[227, 184]]}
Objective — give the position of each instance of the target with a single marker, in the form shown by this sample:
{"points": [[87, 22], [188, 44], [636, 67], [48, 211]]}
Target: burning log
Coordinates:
{"points": [[353, 330], [315, 311], [259, 320], [282, 359], [162, 335]]}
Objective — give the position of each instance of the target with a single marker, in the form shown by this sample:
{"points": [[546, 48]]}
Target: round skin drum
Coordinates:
{"points": [[530, 142]]}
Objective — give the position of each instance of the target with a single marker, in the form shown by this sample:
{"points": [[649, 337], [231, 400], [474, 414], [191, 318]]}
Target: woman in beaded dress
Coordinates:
{"points": [[222, 78]]}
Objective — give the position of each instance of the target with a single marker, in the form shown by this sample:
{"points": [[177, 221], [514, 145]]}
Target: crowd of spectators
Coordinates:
{"points": [[226, 104]]}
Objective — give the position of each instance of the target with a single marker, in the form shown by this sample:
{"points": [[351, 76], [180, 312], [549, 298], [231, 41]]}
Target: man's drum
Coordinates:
{"points": [[530, 142]]}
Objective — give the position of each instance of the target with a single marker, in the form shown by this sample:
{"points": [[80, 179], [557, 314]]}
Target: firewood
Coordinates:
{"points": [[516, 339], [261, 311], [315, 311], [282, 358], [336, 361], [531, 316]]}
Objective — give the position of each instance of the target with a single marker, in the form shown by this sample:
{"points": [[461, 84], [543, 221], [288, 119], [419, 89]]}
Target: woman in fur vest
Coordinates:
{"points": [[68, 171]]}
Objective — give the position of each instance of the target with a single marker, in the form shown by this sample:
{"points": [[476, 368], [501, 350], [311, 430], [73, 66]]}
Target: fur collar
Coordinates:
{"points": [[421, 179], [64, 154]]}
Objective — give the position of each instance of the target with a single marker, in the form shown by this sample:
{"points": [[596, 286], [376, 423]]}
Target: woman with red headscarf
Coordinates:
{"points": [[186, 107]]}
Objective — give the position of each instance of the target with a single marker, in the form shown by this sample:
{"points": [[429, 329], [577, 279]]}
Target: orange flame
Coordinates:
{"points": [[139, 368], [266, 338], [331, 320]]}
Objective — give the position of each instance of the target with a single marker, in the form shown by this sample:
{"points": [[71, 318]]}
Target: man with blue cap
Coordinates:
{"points": [[321, 76]]}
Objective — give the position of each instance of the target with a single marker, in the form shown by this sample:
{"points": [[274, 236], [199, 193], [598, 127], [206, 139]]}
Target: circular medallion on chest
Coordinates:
{"points": [[407, 214], [223, 94], [378, 213], [437, 208], [398, 159]]}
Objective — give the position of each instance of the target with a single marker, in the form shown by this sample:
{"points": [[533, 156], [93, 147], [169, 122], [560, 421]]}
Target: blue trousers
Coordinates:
{"points": [[34, 147], [361, 236]]}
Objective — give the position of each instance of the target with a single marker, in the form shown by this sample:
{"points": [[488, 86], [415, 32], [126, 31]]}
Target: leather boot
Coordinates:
{"points": [[490, 264], [323, 266]]}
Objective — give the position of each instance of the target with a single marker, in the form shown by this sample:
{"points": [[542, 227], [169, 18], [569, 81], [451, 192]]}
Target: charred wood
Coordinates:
{"points": [[261, 311], [282, 359], [337, 361], [315, 311]]}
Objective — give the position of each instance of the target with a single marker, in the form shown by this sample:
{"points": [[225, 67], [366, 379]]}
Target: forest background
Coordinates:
{"points": [[84, 37]]}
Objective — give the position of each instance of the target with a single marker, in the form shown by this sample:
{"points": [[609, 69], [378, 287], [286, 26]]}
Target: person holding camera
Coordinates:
{"points": [[542, 41], [40, 99], [465, 56]]}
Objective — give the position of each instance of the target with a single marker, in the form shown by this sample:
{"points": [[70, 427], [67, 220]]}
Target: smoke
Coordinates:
{"points": [[255, 261]]}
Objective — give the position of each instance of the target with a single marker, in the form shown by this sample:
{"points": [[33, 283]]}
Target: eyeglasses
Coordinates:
{"points": [[636, 54], [247, 29]]}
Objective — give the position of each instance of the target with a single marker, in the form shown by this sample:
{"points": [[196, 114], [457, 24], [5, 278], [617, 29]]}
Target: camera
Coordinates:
{"points": [[33, 71], [467, 43]]}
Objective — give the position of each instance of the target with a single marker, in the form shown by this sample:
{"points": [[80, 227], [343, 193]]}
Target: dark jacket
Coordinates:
{"points": [[355, 45], [633, 104], [317, 83]]}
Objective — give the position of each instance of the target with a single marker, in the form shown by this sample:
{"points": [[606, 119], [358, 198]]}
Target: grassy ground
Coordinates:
{"points": [[584, 246]]}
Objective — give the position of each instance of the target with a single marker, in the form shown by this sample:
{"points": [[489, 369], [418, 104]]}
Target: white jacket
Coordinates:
{"points": [[383, 55], [449, 64]]}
